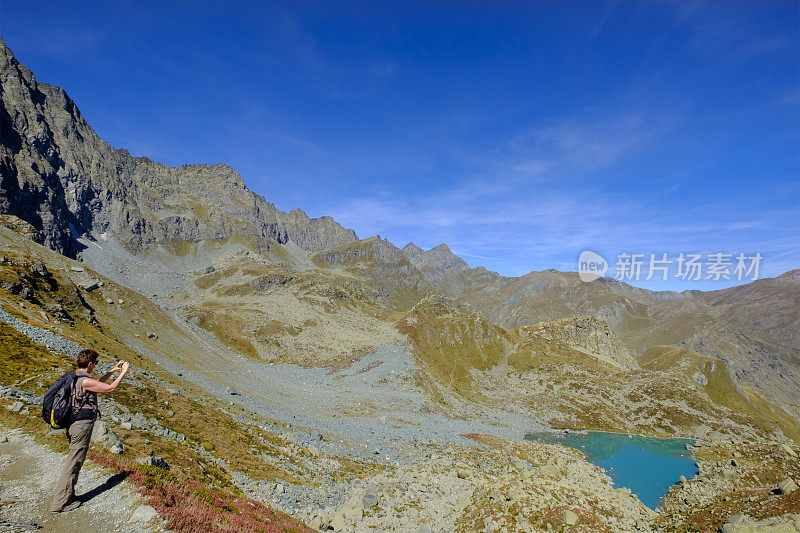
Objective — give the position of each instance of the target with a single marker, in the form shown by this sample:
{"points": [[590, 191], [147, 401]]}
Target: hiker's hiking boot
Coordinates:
{"points": [[74, 504]]}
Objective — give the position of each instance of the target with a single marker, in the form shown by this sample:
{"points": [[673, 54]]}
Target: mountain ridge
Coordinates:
{"points": [[62, 178]]}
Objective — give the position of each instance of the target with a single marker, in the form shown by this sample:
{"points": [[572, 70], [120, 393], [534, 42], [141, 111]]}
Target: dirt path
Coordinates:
{"points": [[28, 472]]}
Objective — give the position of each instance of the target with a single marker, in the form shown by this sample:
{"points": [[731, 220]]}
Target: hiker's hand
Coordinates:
{"points": [[125, 366], [118, 366]]}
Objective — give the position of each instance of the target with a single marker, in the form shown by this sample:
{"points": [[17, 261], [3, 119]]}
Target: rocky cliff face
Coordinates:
{"points": [[59, 176], [590, 335]]}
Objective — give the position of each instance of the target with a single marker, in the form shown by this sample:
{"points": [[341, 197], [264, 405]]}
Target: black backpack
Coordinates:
{"points": [[57, 409]]}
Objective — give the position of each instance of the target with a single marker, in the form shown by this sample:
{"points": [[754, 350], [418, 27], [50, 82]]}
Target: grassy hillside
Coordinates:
{"points": [[719, 386]]}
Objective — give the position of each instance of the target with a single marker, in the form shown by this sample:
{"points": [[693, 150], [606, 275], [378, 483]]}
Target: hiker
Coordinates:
{"points": [[79, 431]]}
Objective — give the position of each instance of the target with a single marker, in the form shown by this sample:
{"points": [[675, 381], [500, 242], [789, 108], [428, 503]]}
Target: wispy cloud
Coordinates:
{"points": [[533, 202], [580, 145]]}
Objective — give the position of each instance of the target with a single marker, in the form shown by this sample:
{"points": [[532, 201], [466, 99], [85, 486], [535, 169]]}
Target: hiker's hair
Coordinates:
{"points": [[87, 356]]}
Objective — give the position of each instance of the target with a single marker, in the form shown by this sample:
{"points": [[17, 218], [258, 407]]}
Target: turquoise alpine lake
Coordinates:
{"points": [[648, 466]]}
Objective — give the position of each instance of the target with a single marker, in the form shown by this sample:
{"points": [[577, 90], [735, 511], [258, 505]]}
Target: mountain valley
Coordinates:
{"points": [[294, 376]]}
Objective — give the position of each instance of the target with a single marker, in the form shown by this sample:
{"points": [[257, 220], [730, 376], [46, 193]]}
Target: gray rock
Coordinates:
{"points": [[785, 448], [143, 514], [569, 517], [126, 425], [369, 500], [159, 462], [15, 407], [103, 434], [786, 486], [88, 286], [151, 335]]}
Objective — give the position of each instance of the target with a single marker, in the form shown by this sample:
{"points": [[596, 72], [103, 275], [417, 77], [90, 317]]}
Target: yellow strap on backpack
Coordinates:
{"points": [[52, 419]]}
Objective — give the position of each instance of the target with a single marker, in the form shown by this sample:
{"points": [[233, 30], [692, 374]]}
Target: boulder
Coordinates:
{"points": [[346, 516], [369, 500], [462, 473], [786, 486], [350, 513], [569, 517], [338, 523], [158, 462], [89, 285], [742, 523], [785, 448], [143, 514], [103, 434], [15, 407]]}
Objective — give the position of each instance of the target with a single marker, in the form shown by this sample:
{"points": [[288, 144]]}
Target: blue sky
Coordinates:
{"points": [[520, 133]]}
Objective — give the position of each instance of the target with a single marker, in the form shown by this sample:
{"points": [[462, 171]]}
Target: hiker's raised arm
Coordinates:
{"points": [[93, 385], [105, 377]]}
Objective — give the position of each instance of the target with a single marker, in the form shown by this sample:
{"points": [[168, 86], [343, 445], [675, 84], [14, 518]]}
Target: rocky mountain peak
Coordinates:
{"points": [[59, 176], [439, 258]]}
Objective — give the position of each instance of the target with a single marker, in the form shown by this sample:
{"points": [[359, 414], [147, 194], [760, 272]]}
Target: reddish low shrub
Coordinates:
{"points": [[190, 507]]}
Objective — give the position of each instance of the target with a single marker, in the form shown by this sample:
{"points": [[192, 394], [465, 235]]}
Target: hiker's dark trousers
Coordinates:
{"points": [[80, 434]]}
